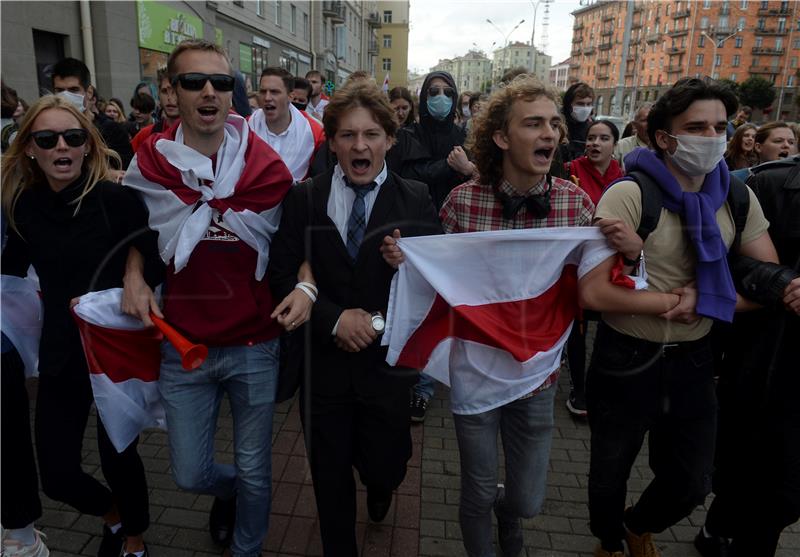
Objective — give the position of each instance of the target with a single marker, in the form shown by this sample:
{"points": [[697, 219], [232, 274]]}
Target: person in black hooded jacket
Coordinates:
{"points": [[442, 139], [577, 109]]}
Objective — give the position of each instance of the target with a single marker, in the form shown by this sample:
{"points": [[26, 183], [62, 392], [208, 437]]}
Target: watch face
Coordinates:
{"points": [[378, 323]]}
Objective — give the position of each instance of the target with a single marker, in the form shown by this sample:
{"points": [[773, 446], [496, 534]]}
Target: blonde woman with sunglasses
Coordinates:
{"points": [[75, 227]]}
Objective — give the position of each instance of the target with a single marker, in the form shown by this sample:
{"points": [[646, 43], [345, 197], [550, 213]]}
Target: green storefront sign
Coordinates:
{"points": [[245, 58], [162, 27]]}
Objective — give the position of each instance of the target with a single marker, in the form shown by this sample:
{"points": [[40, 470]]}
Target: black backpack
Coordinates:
{"points": [[652, 201]]}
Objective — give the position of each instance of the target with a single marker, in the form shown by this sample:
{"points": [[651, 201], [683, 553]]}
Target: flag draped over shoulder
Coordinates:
{"points": [[488, 313], [124, 360], [22, 318], [182, 188]]}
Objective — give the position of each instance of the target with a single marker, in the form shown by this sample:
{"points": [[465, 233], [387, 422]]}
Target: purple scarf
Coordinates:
{"points": [[716, 295]]}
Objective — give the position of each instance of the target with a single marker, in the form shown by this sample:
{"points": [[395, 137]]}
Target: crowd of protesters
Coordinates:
{"points": [[264, 215]]}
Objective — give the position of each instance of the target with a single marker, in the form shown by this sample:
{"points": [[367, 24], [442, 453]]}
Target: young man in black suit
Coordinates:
{"points": [[356, 409]]}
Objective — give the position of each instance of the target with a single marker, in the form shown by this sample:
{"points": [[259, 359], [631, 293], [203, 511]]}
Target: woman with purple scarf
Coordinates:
{"points": [[651, 371]]}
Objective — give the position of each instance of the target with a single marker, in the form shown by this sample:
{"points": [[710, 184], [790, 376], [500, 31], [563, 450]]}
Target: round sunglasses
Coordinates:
{"points": [[48, 139], [195, 81]]}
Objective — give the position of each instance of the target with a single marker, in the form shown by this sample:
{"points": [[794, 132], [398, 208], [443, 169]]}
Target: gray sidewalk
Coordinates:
{"points": [[424, 517]]}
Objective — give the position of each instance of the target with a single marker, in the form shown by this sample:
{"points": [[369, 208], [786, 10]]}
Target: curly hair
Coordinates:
{"points": [[735, 153], [494, 116]]}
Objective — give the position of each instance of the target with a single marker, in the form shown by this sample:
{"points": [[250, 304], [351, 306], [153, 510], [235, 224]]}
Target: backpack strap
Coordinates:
{"points": [[652, 201], [739, 204]]}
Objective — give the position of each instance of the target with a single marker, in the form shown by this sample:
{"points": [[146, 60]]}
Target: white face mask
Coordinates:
{"points": [[74, 98], [581, 113], [697, 155]]}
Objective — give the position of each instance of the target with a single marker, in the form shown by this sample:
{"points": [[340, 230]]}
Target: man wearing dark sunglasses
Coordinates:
{"points": [[72, 80], [213, 190]]}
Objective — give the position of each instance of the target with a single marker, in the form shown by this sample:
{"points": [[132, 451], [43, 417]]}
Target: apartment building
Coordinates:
{"points": [[471, 72], [559, 75], [518, 55], [632, 52], [393, 42]]}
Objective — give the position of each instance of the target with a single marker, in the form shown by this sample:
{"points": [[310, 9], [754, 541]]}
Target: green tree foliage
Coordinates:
{"points": [[757, 92]]}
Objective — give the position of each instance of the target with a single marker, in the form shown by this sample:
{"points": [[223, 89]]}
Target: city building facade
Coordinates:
{"points": [[471, 72], [518, 55], [393, 42], [631, 53], [124, 43], [559, 75]]}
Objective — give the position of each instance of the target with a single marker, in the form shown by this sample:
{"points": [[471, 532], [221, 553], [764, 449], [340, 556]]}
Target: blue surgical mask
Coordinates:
{"points": [[439, 106]]}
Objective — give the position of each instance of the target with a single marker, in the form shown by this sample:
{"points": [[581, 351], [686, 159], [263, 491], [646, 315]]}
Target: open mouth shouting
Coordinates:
{"points": [[543, 156], [63, 163], [208, 113], [360, 166]]}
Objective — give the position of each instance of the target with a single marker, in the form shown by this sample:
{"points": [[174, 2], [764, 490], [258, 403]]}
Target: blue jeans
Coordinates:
{"points": [[526, 427], [425, 386], [192, 399]]}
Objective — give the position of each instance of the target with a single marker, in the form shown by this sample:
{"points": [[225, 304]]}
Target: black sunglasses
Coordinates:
{"points": [[47, 139], [434, 91], [196, 81]]}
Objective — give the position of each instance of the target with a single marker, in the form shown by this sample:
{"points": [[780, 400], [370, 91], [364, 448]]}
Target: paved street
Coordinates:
{"points": [[423, 519]]}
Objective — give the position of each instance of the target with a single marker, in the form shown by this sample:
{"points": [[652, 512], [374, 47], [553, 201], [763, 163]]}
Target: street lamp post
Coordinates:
{"points": [[535, 5], [505, 36], [717, 44]]}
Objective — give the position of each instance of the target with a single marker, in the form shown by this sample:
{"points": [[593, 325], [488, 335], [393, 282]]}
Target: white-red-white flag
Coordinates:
{"points": [[488, 313], [22, 318], [385, 86], [124, 360]]}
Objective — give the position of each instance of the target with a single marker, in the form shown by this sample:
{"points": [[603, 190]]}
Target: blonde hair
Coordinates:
{"points": [[20, 173]]}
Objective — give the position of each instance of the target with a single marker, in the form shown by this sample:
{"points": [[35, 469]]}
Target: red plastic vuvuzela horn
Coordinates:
{"points": [[192, 355]]}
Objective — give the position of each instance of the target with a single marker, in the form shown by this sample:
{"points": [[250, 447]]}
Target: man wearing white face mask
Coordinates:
{"points": [[71, 80], [651, 369], [577, 109]]}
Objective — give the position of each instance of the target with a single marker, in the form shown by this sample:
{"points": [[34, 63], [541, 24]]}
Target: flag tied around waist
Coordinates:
{"points": [[488, 313], [22, 318], [124, 359]]}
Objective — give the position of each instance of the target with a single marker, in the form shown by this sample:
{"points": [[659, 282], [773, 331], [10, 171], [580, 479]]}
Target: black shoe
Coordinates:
{"points": [[221, 521], [378, 504], [111, 544], [145, 554], [418, 407], [714, 546], [509, 533], [576, 404]]}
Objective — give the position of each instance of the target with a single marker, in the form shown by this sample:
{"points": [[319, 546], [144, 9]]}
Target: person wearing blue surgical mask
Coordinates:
{"points": [[447, 165]]}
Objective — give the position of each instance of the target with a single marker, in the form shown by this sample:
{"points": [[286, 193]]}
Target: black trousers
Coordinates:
{"points": [[633, 388], [576, 350], [371, 434], [62, 411], [757, 475], [20, 484]]}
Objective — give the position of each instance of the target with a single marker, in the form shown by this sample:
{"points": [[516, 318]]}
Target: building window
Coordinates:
{"points": [[761, 23], [387, 41], [781, 24], [779, 43], [704, 22], [387, 16], [387, 64], [733, 77], [278, 12], [790, 81], [260, 8], [717, 60], [764, 4], [699, 60], [739, 42], [759, 41], [723, 22], [741, 24], [793, 62], [797, 43], [305, 25], [706, 4], [743, 4], [293, 20], [702, 41], [736, 60]]}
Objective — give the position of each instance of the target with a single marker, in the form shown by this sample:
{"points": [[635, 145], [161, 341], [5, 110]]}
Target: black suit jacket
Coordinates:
{"points": [[307, 233]]}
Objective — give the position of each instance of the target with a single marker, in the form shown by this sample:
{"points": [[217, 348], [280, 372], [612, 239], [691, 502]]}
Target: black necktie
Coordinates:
{"points": [[538, 205], [357, 223]]}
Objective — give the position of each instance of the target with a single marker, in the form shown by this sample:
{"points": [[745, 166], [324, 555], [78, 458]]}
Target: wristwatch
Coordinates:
{"points": [[378, 322]]}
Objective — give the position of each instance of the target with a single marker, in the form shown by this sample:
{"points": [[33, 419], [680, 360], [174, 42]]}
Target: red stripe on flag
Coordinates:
{"points": [[121, 354], [523, 328]]}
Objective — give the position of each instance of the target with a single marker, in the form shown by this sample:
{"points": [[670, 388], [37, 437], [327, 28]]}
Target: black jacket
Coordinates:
{"points": [[438, 137], [76, 254], [116, 137], [307, 233], [762, 352]]}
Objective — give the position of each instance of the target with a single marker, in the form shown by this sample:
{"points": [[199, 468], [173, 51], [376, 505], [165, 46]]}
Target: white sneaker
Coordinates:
{"points": [[13, 548]]}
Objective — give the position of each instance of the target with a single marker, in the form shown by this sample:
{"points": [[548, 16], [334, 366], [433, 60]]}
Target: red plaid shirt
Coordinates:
{"points": [[473, 207]]}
